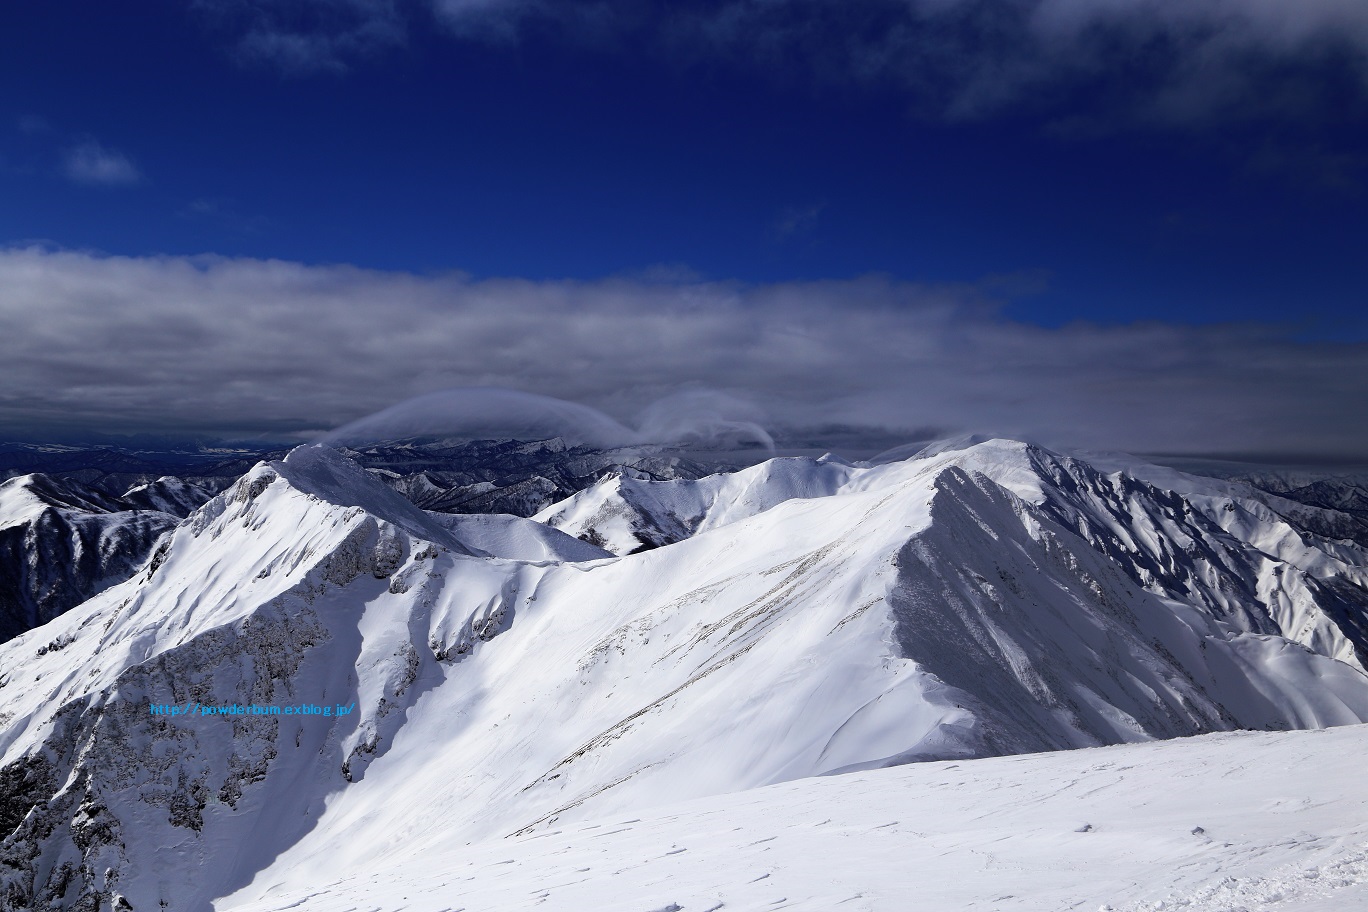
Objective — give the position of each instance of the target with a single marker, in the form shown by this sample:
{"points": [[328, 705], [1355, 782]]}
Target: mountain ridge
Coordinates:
{"points": [[62, 542], [944, 607]]}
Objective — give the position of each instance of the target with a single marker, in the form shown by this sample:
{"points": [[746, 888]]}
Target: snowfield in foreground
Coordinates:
{"points": [[1216, 823]]}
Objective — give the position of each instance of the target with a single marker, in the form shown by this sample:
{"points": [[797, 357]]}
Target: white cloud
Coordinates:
{"points": [[94, 165], [1278, 24], [1168, 62], [488, 18], [253, 345], [502, 21], [304, 37]]}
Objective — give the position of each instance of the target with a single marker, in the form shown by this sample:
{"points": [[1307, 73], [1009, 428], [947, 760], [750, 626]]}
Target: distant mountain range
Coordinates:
{"points": [[509, 476], [62, 542]]}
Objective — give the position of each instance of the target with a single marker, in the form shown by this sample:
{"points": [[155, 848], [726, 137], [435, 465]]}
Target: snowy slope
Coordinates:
{"points": [[260, 597], [62, 542], [627, 512], [1339, 505], [503, 535], [1209, 824], [820, 618], [1242, 555], [167, 494]]}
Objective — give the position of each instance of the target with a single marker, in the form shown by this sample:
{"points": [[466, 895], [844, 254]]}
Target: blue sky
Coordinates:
{"points": [[1056, 160]]}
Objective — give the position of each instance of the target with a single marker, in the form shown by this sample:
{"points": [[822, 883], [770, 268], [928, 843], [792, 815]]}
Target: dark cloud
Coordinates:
{"points": [[245, 346], [1313, 166], [1159, 62], [1104, 62]]}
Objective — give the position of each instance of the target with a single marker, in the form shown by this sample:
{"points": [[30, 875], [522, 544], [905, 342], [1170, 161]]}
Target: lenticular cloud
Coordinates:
{"points": [[693, 418]]}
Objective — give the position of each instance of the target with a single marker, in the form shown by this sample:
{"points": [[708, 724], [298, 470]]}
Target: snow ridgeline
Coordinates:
{"points": [[812, 618]]}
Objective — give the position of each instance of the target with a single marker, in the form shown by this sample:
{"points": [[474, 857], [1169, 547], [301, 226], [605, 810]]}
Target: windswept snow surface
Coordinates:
{"points": [[816, 618], [1219, 823], [503, 535]]}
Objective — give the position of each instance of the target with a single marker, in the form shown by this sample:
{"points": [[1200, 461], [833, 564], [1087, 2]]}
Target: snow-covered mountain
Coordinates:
{"points": [[810, 617], [1342, 501], [102, 499], [627, 511], [518, 477], [1247, 557], [506, 476], [1338, 494], [62, 542], [113, 470], [167, 494]]}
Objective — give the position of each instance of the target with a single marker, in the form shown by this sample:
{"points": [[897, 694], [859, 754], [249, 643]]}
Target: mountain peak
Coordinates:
{"points": [[322, 472]]}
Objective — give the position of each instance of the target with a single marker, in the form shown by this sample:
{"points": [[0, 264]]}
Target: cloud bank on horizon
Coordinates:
{"points": [[247, 347], [699, 418]]}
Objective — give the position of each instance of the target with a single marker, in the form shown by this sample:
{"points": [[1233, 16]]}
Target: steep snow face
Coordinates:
{"points": [[1340, 505], [1246, 558], [1243, 556], [305, 583], [820, 618], [61, 543], [167, 494], [1209, 824]]}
